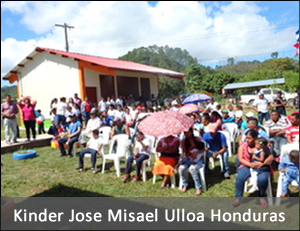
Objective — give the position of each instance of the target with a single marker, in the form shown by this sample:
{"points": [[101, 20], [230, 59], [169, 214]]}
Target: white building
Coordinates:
{"points": [[46, 74]]}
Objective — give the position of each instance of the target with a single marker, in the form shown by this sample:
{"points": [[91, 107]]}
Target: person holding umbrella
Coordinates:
{"points": [[164, 166]]}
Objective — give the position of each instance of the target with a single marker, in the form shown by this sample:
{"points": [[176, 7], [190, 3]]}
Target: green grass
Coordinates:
{"points": [[51, 175]]}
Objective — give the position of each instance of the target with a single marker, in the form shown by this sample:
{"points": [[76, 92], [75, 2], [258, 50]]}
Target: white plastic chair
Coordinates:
{"points": [[212, 160], [233, 130], [285, 150], [131, 131], [120, 152], [104, 133], [77, 143]]}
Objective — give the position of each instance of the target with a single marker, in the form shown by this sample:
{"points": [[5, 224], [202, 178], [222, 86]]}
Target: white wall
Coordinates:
{"points": [[49, 76]]}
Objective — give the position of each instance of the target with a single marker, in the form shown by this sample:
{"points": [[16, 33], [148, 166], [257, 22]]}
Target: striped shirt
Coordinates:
{"points": [[280, 124], [293, 132]]}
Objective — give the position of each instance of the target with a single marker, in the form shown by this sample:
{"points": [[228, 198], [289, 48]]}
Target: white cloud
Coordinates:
{"points": [[111, 29]]}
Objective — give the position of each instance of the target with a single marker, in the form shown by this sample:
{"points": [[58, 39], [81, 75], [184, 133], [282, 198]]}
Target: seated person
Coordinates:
{"points": [[259, 156], [226, 118], [253, 124], [194, 149], [93, 147], [94, 123], [204, 124], [289, 165], [164, 166], [72, 136], [276, 126], [216, 142], [141, 153]]}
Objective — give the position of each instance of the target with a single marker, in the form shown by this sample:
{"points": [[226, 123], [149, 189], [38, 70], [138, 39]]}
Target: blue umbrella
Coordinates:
{"points": [[196, 98]]}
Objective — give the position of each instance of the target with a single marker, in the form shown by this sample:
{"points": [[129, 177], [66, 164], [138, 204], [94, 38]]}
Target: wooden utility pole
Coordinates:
{"points": [[65, 26]]}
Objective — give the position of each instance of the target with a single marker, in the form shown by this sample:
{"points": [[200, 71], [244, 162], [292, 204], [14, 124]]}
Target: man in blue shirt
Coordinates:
{"points": [[216, 144], [226, 118], [73, 135]]}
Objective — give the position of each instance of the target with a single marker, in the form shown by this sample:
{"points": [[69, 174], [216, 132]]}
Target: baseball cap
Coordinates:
{"points": [[225, 111], [260, 93], [212, 128], [250, 114], [71, 115]]}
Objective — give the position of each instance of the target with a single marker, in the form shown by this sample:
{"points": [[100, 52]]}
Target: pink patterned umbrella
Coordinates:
{"points": [[189, 108], [165, 123]]}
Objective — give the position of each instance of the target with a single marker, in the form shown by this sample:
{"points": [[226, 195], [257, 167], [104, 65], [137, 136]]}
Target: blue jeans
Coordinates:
{"points": [[276, 143], [261, 117], [243, 174], [193, 170], [288, 177], [224, 159], [93, 153], [139, 161], [61, 143]]}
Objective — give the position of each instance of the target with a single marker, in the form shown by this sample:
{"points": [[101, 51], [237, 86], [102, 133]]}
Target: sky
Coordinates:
{"points": [[210, 31]]}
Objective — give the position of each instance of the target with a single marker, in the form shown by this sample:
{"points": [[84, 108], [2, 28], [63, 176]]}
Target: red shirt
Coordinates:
{"points": [[293, 131], [88, 107]]}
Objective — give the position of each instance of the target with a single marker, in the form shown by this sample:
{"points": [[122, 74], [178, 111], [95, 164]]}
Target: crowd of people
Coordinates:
{"points": [[260, 142]]}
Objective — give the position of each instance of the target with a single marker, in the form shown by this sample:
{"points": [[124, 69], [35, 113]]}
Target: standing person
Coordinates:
{"points": [[261, 106], [280, 103], [164, 166], [94, 123], [73, 135], [239, 115], [53, 103], [94, 146], [27, 106], [193, 148], [141, 153], [40, 121], [216, 142], [102, 105], [86, 107], [9, 110], [60, 112], [77, 100]]}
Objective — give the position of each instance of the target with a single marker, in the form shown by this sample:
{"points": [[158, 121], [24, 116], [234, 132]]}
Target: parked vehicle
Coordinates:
{"points": [[270, 94]]}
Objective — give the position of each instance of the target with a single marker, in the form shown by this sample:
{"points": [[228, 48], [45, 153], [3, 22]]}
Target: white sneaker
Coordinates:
{"points": [[253, 189]]}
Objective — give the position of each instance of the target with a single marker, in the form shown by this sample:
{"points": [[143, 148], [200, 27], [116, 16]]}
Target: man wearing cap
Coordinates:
{"points": [[119, 128], [261, 106], [280, 103], [73, 135], [216, 143], [94, 123], [226, 118]]}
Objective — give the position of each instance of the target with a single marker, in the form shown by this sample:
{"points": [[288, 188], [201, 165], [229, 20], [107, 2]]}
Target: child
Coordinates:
{"points": [[94, 146], [260, 156], [289, 165], [239, 115], [40, 121]]}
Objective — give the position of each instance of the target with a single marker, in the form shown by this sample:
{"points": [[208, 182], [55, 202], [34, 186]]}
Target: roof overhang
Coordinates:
{"points": [[233, 86]]}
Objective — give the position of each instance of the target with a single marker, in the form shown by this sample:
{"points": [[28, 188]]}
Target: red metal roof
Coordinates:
{"points": [[115, 64]]}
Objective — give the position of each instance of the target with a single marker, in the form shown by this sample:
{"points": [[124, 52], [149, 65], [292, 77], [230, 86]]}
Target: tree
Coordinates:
{"points": [[274, 55]]}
